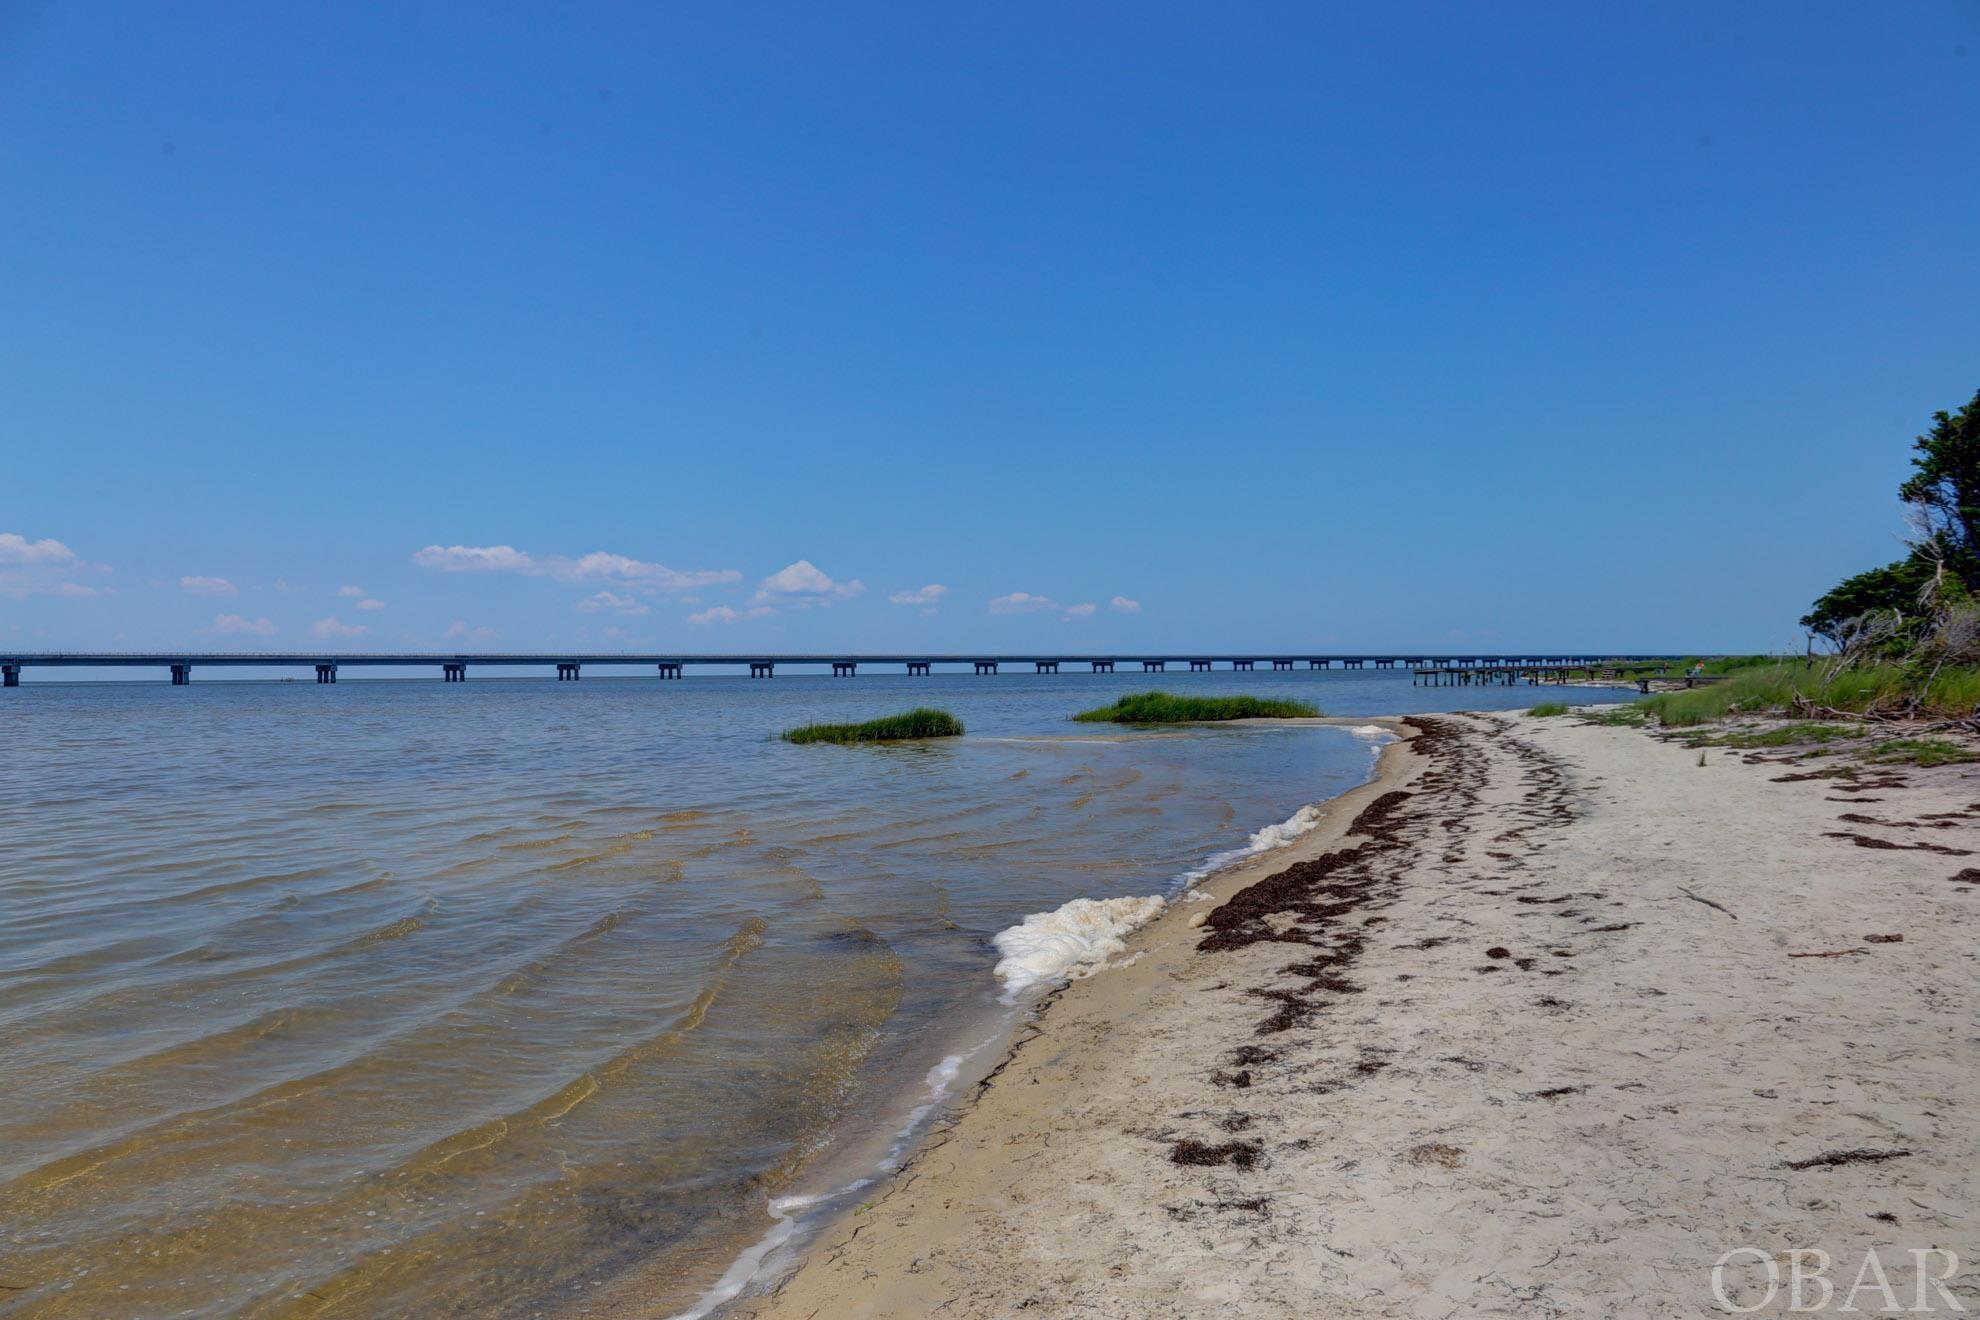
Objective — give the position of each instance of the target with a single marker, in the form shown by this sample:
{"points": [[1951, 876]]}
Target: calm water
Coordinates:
{"points": [[405, 997]]}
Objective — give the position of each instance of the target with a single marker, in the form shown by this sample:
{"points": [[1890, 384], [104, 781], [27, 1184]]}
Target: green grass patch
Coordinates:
{"points": [[1921, 752], [1785, 735], [1550, 708], [1632, 716], [919, 723], [1953, 691], [1168, 708]]}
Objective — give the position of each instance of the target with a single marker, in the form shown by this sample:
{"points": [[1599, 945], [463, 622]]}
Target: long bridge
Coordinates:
{"points": [[179, 665]]}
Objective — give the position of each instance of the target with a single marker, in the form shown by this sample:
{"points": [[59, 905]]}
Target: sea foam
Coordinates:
{"points": [[1070, 941]]}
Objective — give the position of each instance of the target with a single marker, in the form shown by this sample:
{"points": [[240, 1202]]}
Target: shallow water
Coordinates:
{"points": [[387, 997]]}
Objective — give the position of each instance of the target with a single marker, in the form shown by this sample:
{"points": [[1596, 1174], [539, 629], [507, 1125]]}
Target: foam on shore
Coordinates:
{"points": [[1077, 938], [1070, 941]]}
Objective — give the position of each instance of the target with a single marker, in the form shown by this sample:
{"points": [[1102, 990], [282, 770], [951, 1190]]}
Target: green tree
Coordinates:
{"points": [[1944, 490], [1942, 496], [1894, 587]]}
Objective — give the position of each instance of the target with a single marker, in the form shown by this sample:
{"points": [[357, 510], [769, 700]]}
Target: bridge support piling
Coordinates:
{"points": [[10, 675], [917, 667], [1319, 664], [1152, 666], [1046, 666], [452, 671], [844, 669], [986, 666], [326, 673], [1244, 665], [1282, 664], [567, 671], [1199, 666], [762, 669], [181, 675], [1103, 666], [670, 669]]}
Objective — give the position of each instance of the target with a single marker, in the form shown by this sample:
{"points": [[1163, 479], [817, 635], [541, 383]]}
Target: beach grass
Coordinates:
{"points": [[922, 722], [1546, 708], [1920, 752], [1953, 691], [1784, 735], [1168, 708]]}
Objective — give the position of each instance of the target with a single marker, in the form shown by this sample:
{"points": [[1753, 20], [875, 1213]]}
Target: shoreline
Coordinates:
{"points": [[1120, 974], [821, 1200], [1520, 1036]]}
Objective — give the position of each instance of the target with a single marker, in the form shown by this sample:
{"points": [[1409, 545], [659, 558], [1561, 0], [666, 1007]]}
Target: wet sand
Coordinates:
{"points": [[1543, 1021]]}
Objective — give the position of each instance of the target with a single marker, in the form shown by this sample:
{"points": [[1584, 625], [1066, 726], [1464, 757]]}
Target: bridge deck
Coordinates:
{"points": [[570, 664]]}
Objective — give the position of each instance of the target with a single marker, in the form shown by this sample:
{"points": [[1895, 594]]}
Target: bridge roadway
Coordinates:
{"points": [[570, 664]]}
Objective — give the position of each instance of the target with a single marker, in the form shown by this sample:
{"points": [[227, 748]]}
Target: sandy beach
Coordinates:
{"points": [[1545, 1020]]}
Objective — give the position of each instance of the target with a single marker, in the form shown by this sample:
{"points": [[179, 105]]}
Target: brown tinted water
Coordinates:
{"points": [[409, 998]]}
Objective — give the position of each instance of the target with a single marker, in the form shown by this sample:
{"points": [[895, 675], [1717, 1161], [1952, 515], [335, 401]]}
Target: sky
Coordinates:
{"points": [[1027, 325]]}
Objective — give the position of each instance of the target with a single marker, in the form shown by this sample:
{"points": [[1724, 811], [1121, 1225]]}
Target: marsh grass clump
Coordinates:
{"points": [[919, 723], [1784, 735], [1168, 708], [1925, 752], [1547, 708]]}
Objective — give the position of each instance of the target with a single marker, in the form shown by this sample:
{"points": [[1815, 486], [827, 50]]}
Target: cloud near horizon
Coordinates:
{"points": [[234, 623], [611, 600], [929, 595], [804, 583], [208, 586], [41, 568], [1121, 604], [725, 614], [1021, 602], [459, 629], [596, 566], [337, 628], [1080, 611], [17, 549]]}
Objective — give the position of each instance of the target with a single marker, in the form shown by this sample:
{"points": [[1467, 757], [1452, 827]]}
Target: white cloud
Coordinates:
{"points": [[1020, 602], [42, 568], [1124, 606], [369, 604], [234, 623], [337, 628], [17, 549], [599, 564], [724, 614], [474, 559], [929, 595], [459, 628], [610, 600], [1081, 611], [804, 583], [208, 586], [283, 584], [352, 592]]}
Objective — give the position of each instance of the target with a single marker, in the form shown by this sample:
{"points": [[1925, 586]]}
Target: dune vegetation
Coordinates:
{"points": [[922, 722], [1903, 640], [1168, 708]]}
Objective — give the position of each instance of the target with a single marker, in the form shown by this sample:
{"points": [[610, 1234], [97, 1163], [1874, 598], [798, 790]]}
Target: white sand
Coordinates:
{"points": [[1410, 1159]]}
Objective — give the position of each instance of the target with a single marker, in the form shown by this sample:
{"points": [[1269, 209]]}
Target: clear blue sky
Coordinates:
{"points": [[1376, 325]]}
